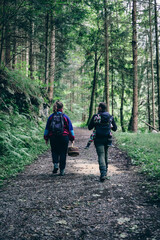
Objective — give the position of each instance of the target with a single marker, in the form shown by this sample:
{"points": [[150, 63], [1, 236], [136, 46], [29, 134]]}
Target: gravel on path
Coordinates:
{"points": [[37, 205]]}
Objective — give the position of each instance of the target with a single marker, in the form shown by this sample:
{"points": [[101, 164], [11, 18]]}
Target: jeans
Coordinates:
{"points": [[102, 152], [59, 147]]}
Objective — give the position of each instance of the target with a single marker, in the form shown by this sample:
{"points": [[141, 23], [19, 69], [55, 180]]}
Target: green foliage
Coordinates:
{"points": [[18, 92], [21, 83], [144, 150], [21, 141], [80, 124]]}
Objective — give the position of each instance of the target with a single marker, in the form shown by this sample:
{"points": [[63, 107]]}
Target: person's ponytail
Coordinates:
{"points": [[57, 105]]}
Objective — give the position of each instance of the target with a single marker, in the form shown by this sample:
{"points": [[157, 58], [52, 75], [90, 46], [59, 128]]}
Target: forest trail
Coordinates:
{"points": [[39, 205]]}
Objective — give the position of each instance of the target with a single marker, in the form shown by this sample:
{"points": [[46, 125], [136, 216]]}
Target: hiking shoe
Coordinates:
{"points": [[55, 170], [102, 178], [109, 145], [86, 147], [62, 172]]}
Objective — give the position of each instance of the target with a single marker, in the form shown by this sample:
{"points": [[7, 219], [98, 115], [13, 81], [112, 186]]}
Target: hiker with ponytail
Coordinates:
{"points": [[59, 131]]}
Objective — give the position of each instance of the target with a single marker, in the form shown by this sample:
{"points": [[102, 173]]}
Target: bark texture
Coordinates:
{"points": [[51, 60], [157, 62], [135, 76], [106, 56], [152, 67]]}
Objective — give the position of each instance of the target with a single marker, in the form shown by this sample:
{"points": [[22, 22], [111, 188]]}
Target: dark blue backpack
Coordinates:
{"points": [[103, 127], [57, 124]]}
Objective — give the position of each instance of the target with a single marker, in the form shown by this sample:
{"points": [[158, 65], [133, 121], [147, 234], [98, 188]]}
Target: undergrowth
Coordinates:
{"points": [[21, 141], [144, 150], [18, 81]]}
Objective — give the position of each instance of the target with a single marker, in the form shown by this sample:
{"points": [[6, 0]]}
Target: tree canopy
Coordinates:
{"points": [[84, 52]]}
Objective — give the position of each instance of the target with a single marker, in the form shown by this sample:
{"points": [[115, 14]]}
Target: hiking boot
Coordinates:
{"points": [[102, 178], [107, 178], [109, 145], [62, 172], [55, 170], [86, 147]]}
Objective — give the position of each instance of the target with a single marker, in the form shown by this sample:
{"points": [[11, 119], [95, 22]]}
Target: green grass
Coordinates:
{"points": [[21, 141], [144, 151], [80, 124]]}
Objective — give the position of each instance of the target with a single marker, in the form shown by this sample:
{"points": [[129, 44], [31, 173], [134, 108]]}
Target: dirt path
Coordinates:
{"points": [[37, 205]]}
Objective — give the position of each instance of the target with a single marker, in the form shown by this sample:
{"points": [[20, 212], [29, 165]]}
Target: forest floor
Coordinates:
{"points": [[39, 205]]}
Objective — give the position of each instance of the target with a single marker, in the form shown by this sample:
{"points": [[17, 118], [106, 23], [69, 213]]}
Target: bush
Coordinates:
{"points": [[21, 141]]}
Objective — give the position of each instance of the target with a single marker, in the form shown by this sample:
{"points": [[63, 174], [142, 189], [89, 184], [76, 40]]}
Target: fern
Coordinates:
{"points": [[21, 140]]}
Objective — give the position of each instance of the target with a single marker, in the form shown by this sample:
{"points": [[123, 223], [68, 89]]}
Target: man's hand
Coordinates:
{"points": [[46, 142]]}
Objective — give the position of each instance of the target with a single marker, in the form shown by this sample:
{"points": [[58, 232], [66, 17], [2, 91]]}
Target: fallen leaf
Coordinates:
{"points": [[123, 220], [123, 235], [63, 222]]}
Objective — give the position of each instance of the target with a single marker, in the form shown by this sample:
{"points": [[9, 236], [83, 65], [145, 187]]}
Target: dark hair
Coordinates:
{"points": [[57, 105], [103, 106]]}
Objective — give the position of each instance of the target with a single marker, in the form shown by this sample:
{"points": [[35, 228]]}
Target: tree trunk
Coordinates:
{"points": [[46, 50], [112, 92], [122, 102], [112, 80], [31, 51], [93, 88], [51, 60], [70, 96], [106, 56], [14, 60], [130, 122], [23, 52], [157, 62], [148, 100], [7, 46], [73, 85], [2, 43], [135, 77], [27, 54], [2, 32], [152, 68]]}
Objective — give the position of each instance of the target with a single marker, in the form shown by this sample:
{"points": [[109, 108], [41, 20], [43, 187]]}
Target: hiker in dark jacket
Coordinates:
{"points": [[103, 128], [59, 140]]}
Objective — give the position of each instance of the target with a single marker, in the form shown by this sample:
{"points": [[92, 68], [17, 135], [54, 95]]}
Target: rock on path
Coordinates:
{"points": [[39, 205]]}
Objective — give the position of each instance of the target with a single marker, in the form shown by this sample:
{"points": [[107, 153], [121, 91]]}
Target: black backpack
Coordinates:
{"points": [[103, 127], [57, 124]]}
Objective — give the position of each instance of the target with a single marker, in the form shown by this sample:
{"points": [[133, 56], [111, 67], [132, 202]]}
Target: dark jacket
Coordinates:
{"points": [[103, 123]]}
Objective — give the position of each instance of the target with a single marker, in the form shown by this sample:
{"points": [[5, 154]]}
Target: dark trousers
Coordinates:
{"points": [[59, 147], [102, 152]]}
